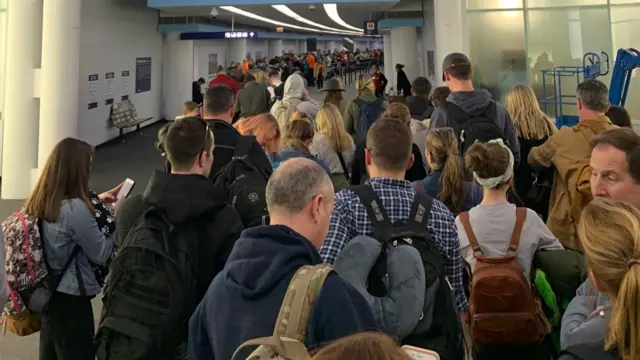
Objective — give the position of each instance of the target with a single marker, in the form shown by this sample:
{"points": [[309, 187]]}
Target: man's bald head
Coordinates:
{"points": [[294, 183]]}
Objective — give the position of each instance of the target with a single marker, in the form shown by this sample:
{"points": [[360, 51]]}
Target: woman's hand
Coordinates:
{"points": [[111, 196]]}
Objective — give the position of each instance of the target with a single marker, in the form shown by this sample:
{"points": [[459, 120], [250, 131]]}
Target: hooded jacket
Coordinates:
{"points": [[292, 101], [473, 103], [244, 299], [185, 198], [419, 107]]}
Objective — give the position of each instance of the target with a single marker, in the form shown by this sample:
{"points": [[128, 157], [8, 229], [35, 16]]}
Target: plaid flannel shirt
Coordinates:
{"points": [[349, 219]]}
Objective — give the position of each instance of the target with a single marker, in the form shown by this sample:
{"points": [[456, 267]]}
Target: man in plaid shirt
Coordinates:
{"points": [[387, 156]]}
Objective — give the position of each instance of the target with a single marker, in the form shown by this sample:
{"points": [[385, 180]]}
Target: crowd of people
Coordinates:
{"points": [[282, 227]]}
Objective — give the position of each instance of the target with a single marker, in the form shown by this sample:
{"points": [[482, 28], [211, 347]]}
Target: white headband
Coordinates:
{"points": [[491, 183]]}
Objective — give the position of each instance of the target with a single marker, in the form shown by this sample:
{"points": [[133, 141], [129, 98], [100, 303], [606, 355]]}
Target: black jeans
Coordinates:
{"points": [[320, 81], [67, 329]]}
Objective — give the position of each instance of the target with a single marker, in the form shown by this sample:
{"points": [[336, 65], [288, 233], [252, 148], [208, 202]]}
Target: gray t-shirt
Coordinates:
{"points": [[493, 225]]}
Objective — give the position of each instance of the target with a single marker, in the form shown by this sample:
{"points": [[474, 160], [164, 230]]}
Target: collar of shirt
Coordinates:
{"points": [[388, 182]]}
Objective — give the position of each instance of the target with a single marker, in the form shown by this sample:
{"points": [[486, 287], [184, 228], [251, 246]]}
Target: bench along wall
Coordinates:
{"points": [[113, 34]]}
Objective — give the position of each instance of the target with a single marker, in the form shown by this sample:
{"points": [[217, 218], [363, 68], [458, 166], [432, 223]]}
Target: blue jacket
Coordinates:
{"points": [[432, 187], [76, 225], [243, 301], [291, 152]]}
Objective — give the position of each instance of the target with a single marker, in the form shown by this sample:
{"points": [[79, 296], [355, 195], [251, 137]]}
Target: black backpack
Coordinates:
{"points": [[471, 128], [244, 184], [439, 328], [367, 114], [151, 291]]}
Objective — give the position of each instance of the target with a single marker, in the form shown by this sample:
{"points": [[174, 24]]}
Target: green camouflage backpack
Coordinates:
{"points": [[286, 343]]}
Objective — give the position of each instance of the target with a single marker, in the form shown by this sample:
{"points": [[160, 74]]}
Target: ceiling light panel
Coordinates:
{"points": [[292, 14], [251, 15], [332, 13]]}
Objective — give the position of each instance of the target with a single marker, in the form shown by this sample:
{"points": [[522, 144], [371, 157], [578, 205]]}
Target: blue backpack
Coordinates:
{"points": [[368, 112]]}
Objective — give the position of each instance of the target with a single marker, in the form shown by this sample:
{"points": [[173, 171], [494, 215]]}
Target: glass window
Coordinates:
{"points": [[497, 50], [494, 4], [625, 27], [575, 31], [562, 3]]}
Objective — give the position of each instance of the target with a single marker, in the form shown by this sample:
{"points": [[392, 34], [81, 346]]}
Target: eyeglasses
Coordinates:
{"points": [[206, 134]]}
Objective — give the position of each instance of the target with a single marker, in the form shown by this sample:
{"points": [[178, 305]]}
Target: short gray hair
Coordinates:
{"points": [[295, 183], [218, 99], [594, 95]]}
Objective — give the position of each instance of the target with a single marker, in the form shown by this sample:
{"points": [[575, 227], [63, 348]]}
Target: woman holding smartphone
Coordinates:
{"points": [[62, 202]]}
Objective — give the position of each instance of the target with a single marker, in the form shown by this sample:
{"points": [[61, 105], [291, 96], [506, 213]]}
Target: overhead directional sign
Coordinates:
{"points": [[370, 28], [244, 34]]}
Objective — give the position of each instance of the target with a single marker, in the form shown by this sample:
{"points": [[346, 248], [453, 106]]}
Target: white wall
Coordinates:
{"points": [[361, 45], [290, 46], [178, 74], [112, 36], [260, 45], [201, 51]]}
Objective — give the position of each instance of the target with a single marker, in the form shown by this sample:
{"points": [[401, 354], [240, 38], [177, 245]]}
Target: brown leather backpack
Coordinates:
{"points": [[503, 306]]}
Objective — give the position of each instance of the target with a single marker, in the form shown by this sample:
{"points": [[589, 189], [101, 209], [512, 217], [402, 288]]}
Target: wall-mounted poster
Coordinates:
{"points": [[143, 74], [108, 92], [213, 65], [92, 98], [126, 85]]}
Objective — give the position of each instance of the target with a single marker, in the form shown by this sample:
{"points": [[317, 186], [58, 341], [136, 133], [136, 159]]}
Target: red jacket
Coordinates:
{"points": [[222, 79]]}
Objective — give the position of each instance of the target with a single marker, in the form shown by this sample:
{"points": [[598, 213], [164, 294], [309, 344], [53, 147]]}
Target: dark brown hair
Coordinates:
{"points": [[439, 96], [296, 133], [389, 141], [65, 176], [488, 160], [363, 346], [619, 116], [185, 141], [624, 139]]}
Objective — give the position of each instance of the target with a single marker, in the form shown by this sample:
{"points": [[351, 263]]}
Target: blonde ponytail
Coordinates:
{"points": [[610, 235]]}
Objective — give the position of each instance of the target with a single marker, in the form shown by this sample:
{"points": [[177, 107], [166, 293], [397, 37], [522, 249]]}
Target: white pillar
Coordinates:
{"points": [[404, 46], [302, 46], [60, 75], [20, 118], [450, 27], [333, 46], [237, 49], [389, 72], [275, 48], [178, 76]]}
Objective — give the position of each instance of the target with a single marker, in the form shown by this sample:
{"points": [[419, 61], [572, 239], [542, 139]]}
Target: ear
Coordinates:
{"points": [[411, 160], [595, 281], [367, 157], [316, 206], [579, 103]]}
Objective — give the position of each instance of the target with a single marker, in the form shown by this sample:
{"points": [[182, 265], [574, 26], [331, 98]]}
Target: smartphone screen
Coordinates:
{"points": [[126, 188], [420, 354]]}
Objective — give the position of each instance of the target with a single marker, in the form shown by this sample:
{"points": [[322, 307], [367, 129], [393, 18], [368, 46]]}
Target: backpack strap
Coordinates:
{"points": [[243, 146], [419, 187], [420, 211], [521, 216], [293, 319], [377, 214], [344, 165], [464, 219]]}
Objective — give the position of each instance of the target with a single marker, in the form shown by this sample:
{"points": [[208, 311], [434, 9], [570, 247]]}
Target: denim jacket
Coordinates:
{"points": [[76, 225]]}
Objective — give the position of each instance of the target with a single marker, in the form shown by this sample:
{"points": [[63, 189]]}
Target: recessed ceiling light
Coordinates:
{"points": [[251, 15], [292, 14], [332, 12]]}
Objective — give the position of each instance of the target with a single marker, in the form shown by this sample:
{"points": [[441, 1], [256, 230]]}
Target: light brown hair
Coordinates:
{"points": [[65, 176], [443, 147], [364, 83], [488, 160], [389, 142], [329, 122], [299, 115], [264, 127], [190, 106], [297, 133], [333, 97], [398, 111], [610, 234], [530, 121], [363, 346]]}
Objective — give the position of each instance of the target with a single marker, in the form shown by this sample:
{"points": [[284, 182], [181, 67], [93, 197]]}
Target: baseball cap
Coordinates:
{"points": [[454, 59]]}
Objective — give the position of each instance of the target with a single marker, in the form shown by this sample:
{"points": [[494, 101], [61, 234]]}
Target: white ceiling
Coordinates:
{"points": [[353, 14]]}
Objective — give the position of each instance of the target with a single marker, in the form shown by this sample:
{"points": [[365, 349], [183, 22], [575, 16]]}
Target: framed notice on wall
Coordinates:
{"points": [[108, 91], [143, 74], [126, 86], [92, 97], [213, 65]]}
